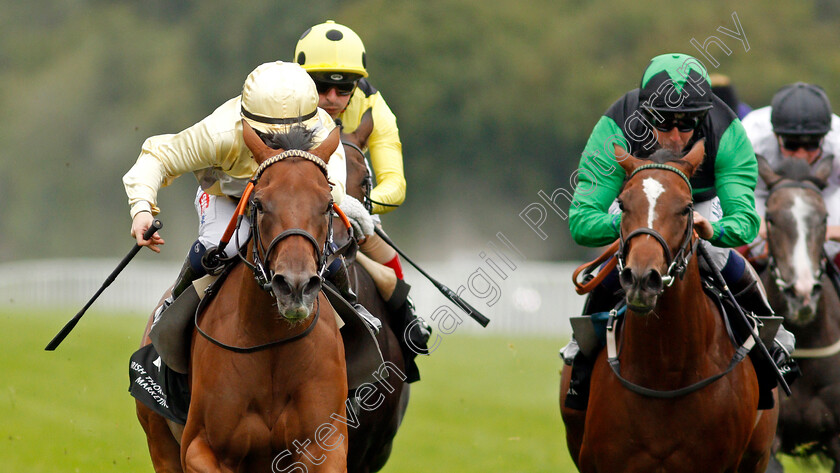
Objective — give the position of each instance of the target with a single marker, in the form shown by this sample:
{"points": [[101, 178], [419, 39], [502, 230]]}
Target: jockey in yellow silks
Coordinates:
{"points": [[335, 58]]}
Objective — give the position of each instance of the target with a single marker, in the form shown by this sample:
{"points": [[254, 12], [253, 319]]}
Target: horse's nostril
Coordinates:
{"points": [[312, 287], [626, 277], [653, 281], [280, 286]]}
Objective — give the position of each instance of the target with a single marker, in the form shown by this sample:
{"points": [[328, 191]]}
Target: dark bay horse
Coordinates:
{"points": [[799, 289], [268, 380], [672, 337], [371, 441]]}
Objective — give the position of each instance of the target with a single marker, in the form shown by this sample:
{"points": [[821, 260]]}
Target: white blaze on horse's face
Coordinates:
{"points": [[653, 189], [803, 267]]}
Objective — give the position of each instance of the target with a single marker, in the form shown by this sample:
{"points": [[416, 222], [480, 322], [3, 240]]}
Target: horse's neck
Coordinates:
{"points": [[679, 331], [256, 309]]}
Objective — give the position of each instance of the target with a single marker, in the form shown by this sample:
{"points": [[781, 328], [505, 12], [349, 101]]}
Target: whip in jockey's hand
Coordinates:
{"points": [[142, 221], [360, 218]]}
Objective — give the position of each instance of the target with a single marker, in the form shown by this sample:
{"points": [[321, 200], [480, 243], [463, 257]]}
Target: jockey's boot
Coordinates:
{"points": [[337, 275], [185, 278], [604, 297], [749, 292], [412, 332]]}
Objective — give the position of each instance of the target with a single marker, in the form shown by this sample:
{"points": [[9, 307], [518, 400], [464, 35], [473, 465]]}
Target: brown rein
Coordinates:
{"points": [[587, 268]]}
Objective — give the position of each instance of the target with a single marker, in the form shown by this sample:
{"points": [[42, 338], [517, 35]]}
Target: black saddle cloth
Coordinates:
{"points": [[161, 389]]}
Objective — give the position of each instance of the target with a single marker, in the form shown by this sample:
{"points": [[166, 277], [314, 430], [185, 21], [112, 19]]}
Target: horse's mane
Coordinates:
{"points": [[297, 137]]}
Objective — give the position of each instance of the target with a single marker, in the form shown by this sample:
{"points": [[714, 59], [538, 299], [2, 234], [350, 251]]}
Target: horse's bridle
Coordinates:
{"points": [[259, 252], [368, 182], [783, 285], [678, 262], [677, 265], [262, 274]]}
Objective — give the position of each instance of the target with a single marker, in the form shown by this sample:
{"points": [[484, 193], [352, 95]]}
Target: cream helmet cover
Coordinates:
{"points": [[277, 95]]}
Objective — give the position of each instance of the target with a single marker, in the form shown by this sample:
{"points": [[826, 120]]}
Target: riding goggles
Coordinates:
{"points": [[684, 122], [341, 88], [794, 142]]}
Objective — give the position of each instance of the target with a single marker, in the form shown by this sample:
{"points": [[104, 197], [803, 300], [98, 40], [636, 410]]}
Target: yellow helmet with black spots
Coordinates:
{"points": [[332, 52]]}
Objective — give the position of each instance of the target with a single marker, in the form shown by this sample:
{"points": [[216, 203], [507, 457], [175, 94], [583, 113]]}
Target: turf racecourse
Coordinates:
{"points": [[484, 403]]}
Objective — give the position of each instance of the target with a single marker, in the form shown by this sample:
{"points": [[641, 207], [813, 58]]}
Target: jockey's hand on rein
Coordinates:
{"points": [[360, 219], [703, 227], [142, 221]]}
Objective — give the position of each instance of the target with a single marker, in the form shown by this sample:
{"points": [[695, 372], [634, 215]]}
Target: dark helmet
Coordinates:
{"points": [[800, 109], [675, 83]]}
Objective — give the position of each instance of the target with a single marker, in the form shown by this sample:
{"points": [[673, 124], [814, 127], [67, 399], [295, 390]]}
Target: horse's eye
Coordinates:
{"points": [[621, 206], [688, 209], [257, 204]]}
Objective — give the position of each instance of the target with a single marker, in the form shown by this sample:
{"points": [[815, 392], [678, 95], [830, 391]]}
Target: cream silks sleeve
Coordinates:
{"points": [[215, 144]]}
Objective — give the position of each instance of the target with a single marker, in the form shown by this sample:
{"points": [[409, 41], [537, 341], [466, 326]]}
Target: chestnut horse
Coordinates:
{"points": [[371, 440], [267, 374], [800, 289], [679, 401]]}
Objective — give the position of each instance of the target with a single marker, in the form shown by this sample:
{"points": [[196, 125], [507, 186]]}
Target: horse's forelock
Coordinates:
{"points": [[297, 137], [795, 169], [663, 156]]}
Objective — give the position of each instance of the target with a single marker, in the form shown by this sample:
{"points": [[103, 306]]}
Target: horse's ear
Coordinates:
{"points": [[260, 150], [365, 128], [695, 156], [328, 146], [823, 169], [768, 175], [627, 161]]}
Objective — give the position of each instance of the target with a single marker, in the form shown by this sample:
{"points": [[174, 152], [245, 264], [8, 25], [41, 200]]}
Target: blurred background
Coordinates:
{"points": [[494, 101]]}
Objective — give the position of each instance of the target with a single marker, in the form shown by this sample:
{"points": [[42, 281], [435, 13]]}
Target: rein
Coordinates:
{"points": [[612, 358], [237, 349], [591, 282]]}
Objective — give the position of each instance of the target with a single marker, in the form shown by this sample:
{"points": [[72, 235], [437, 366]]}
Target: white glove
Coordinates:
{"points": [[360, 219]]}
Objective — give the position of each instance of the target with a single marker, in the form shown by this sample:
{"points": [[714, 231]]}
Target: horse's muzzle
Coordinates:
{"points": [[295, 294], [641, 291]]}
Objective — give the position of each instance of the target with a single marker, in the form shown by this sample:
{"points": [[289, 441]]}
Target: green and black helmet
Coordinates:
{"points": [[800, 109], [675, 83]]}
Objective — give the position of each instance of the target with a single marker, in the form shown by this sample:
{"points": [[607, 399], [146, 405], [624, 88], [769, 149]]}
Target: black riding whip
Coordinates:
{"points": [[760, 344], [449, 293], [60, 336]]}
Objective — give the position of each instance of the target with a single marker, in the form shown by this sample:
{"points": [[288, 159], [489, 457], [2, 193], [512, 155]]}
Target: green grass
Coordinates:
{"points": [[484, 403]]}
